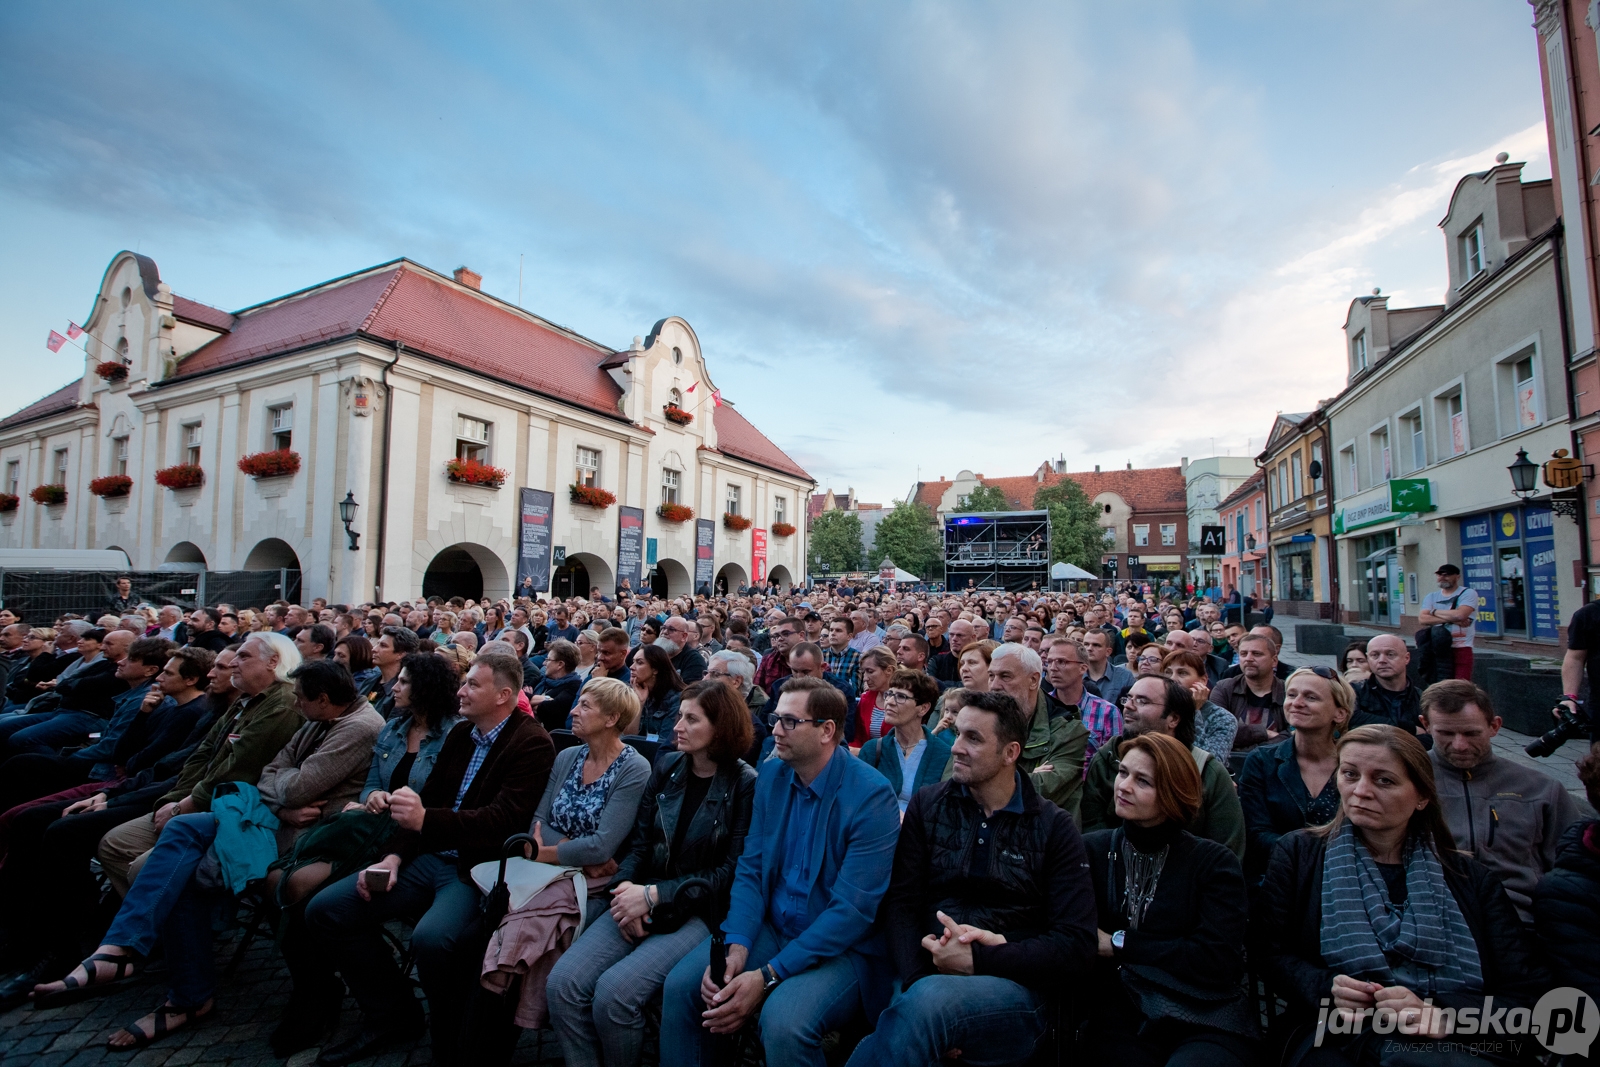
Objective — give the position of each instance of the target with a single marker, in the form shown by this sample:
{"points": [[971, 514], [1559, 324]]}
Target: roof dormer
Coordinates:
{"points": [[1493, 215]]}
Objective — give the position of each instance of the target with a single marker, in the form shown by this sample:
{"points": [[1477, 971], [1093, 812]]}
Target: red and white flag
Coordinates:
{"points": [[691, 388], [716, 398], [74, 331], [54, 341]]}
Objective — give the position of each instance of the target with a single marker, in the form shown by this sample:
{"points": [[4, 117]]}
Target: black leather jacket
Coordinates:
{"points": [[711, 846]]}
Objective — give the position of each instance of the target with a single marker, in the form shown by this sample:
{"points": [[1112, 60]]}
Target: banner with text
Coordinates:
{"points": [[533, 546], [758, 556], [705, 548], [630, 546]]}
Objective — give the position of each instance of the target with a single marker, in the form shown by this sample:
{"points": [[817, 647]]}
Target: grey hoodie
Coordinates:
{"points": [[1510, 818]]}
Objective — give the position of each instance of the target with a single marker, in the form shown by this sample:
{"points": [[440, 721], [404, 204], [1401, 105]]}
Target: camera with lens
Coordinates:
{"points": [[1569, 724]]}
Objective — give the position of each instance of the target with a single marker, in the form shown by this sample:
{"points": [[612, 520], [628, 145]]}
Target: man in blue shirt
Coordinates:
{"points": [[801, 926]]}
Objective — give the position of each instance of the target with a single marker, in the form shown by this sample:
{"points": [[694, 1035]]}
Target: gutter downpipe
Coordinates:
{"points": [[383, 473], [1557, 242]]}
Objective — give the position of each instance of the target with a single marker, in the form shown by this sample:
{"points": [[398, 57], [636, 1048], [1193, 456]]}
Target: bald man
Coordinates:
{"points": [[1387, 697]]}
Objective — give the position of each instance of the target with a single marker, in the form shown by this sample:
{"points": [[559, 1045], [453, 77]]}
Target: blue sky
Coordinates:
{"points": [[912, 237]]}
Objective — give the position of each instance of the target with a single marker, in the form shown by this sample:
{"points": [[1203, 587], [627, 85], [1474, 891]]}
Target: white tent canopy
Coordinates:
{"points": [[1060, 571], [899, 576]]}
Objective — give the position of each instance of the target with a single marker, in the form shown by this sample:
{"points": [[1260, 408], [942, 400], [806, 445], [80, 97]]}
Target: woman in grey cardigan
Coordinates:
{"points": [[595, 787]]}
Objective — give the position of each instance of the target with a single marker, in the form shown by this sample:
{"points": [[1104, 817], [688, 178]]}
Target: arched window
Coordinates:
{"points": [[675, 398]]}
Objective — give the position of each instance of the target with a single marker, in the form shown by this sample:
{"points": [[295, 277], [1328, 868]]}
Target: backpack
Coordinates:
{"points": [[1436, 650]]}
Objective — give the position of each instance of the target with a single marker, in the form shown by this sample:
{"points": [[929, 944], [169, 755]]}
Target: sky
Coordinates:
{"points": [[913, 238]]}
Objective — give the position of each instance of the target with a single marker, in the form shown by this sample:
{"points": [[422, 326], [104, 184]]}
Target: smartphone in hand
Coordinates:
{"points": [[376, 879]]}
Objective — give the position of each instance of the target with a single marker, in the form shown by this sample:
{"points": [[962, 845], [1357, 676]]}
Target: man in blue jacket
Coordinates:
{"points": [[801, 924]]}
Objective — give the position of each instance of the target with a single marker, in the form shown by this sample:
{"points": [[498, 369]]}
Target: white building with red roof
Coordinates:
{"points": [[376, 382]]}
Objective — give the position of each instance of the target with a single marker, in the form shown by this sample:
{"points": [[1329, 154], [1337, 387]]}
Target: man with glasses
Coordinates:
{"points": [[680, 638], [1158, 704], [805, 952], [1066, 665], [805, 661], [775, 664], [1387, 697], [733, 670]]}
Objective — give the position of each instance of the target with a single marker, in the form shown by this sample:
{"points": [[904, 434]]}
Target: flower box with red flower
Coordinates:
{"points": [[111, 485], [9, 502], [471, 472], [180, 476], [735, 522], [276, 463], [592, 496], [675, 512], [676, 414], [49, 494], [112, 370], [782, 529]]}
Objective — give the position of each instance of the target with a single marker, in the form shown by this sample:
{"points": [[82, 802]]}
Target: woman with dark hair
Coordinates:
{"points": [[1173, 914], [373, 626], [910, 755], [355, 652], [41, 665], [1353, 662], [1376, 912], [691, 824], [557, 691], [658, 686], [1214, 725], [426, 710], [649, 631]]}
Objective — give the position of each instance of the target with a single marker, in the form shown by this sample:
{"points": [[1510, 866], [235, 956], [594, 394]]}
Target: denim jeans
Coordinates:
{"points": [[448, 916], [21, 719], [54, 731], [794, 1019], [990, 1020], [599, 987]]}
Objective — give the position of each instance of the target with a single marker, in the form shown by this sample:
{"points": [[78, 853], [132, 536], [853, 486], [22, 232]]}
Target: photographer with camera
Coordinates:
{"points": [[1583, 654]]}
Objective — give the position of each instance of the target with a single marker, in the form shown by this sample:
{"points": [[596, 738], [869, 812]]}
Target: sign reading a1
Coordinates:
{"points": [[1213, 539]]}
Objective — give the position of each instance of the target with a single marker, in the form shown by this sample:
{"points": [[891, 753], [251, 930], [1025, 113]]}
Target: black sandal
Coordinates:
{"points": [[92, 985], [158, 1025]]}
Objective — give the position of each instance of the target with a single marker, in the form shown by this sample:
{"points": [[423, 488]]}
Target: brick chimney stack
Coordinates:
{"points": [[469, 278]]}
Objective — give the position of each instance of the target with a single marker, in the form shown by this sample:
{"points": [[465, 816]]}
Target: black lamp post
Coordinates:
{"points": [[1524, 475], [1250, 541], [347, 513]]}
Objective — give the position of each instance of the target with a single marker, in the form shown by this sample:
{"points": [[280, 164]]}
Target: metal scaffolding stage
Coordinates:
{"points": [[997, 550]]}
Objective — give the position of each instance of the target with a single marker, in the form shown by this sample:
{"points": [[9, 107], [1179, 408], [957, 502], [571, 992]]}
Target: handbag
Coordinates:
{"points": [[1163, 998], [511, 881], [348, 842]]}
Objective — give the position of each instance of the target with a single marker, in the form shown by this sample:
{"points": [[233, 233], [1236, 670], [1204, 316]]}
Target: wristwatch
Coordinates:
{"points": [[769, 978], [1117, 939]]}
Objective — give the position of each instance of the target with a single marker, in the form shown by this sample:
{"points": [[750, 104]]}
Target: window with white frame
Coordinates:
{"points": [[1451, 420], [119, 455], [1297, 483], [669, 485], [1169, 533], [588, 467], [14, 477], [731, 502], [191, 443], [1347, 467], [1317, 466], [1413, 445], [1516, 385], [61, 466], [780, 509], [1472, 255], [1141, 536], [1259, 517], [1358, 352], [472, 438], [1380, 460], [280, 422]]}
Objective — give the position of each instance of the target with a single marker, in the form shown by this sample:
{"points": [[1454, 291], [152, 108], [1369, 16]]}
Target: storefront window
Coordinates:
{"points": [[1508, 558], [1295, 580]]}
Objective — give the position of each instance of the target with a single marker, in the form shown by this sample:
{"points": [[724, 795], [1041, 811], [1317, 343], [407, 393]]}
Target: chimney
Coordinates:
{"points": [[1130, 465], [1061, 464], [1097, 468], [469, 278], [1183, 464]]}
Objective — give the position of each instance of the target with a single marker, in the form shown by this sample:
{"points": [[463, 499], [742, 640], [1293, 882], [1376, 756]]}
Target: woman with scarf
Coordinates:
{"points": [[1173, 913], [1377, 912]]}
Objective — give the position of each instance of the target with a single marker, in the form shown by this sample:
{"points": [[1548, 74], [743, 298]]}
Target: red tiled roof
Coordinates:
{"points": [[1149, 490], [63, 399], [201, 314], [736, 437], [1251, 485]]}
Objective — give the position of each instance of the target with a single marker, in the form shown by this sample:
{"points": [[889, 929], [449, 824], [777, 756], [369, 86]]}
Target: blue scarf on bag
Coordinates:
{"points": [[1424, 945]]}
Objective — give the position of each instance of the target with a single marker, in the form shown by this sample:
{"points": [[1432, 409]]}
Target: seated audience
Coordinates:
{"points": [[1387, 697], [553, 696], [1566, 902], [877, 667], [1066, 664], [1255, 694], [1157, 704], [1172, 919], [909, 756], [989, 911], [804, 952], [1290, 784], [1377, 910], [1214, 725], [78, 703], [692, 823], [1054, 751], [39, 666], [657, 685], [1509, 817]]}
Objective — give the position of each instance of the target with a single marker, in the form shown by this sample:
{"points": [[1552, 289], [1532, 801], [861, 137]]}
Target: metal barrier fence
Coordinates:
{"points": [[40, 597]]}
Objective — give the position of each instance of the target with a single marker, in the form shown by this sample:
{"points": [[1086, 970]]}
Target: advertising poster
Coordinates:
{"points": [[533, 546], [705, 538], [1544, 609], [1477, 570], [758, 555], [630, 546]]}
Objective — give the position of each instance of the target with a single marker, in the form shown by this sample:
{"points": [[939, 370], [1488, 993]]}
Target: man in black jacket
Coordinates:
{"points": [[78, 704], [1388, 698], [989, 908]]}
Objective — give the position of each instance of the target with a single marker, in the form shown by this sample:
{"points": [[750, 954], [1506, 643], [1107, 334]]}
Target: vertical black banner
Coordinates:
{"points": [[705, 544], [533, 544], [630, 546]]}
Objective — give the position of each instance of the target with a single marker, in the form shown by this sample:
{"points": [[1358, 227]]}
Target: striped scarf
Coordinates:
{"points": [[1425, 942]]}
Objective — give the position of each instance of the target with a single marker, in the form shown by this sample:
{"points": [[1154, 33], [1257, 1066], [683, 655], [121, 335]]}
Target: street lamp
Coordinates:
{"points": [[347, 513], [1250, 541], [1524, 475]]}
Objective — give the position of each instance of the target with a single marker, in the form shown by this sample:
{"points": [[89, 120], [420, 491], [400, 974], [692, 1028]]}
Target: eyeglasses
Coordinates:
{"points": [[897, 695], [717, 674], [790, 722], [1327, 673], [1131, 701]]}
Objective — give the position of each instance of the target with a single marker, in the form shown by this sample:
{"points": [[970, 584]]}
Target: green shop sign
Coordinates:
{"points": [[1407, 496]]}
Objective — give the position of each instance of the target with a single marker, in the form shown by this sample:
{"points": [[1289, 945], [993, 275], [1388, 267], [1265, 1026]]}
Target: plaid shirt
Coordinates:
{"points": [[1102, 718], [481, 743], [846, 664]]}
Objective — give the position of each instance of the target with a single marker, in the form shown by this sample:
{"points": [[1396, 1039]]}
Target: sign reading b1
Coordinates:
{"points": [[1213, 539]]}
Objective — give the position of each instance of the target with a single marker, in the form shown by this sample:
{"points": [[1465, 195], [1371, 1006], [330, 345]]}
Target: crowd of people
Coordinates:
{"points": [[922, 827]]}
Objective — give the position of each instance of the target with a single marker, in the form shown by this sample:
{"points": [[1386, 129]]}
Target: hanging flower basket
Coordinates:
{"points": [[112, 370], [782, 529], [592, 496], [675, 512], [180, 476], [274, 464], [111, 485], [676, 414], [731, 521], [8, 502], [49, 494], [471, 472]]}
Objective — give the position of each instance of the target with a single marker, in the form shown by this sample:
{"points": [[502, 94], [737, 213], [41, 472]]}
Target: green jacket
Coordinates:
{"points": [[1220, 817], [1058, 743], [239, 745]]}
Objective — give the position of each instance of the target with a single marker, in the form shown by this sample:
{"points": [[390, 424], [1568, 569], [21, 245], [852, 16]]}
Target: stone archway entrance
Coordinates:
{"points": [[466, 570], [730, 578], [581, 572], [671, 579]]}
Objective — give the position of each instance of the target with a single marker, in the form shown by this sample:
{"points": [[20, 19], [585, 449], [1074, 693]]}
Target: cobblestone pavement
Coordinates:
{"points": [[250, 1004]]}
